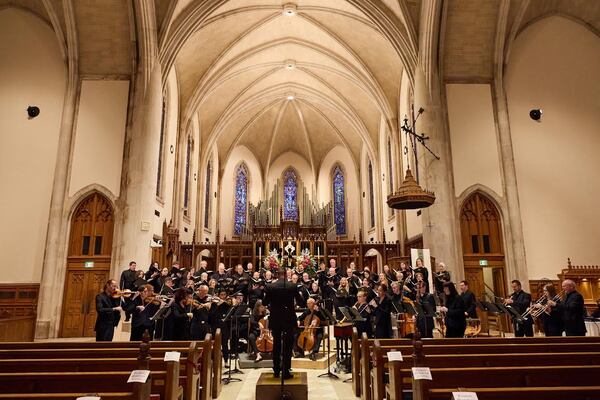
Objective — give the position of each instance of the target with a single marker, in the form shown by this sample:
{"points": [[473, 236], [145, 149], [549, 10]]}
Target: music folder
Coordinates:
{"points": [[488, 307], [351, 314]]}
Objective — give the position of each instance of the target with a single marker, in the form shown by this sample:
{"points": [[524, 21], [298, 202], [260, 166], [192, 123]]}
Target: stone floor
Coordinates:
{"points": [[318, 388]]}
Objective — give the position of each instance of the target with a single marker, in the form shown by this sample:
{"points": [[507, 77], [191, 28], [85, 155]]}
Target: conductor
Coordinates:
{"points": [[279, 296]]}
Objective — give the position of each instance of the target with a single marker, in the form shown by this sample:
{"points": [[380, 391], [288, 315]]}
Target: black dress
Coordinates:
{"points": [[553, 325], [455, 320], [382, 318], [177, 324]]}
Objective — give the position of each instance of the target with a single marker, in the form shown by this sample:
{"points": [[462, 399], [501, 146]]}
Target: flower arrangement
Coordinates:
{"points": [[272, 261], [307, 260]]}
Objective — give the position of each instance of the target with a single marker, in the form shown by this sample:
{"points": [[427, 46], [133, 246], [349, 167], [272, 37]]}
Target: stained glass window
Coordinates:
{"points": [[339, 201], [371, 197], [207, 195], [241, 199], [186, 187], [390, 172], [290, 191]]}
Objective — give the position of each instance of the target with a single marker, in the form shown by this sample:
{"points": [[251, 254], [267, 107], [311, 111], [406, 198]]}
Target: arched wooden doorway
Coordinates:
{"points": [[483, 252], [88, 264]]}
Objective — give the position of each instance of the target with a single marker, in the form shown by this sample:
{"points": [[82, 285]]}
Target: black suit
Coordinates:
{"points": [[382, 318], [522, 301], [469, 299], [107, 317], [280, 296], [573, 313]]}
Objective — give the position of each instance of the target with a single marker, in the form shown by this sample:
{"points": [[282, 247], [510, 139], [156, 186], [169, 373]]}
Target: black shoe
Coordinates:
{"points": [[313, 356], [276, 374], [288, 375]]}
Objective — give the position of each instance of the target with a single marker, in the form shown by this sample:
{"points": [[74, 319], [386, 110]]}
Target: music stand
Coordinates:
{"points": [[240, 312], [351, 314], [330, 320], [228, 318], [425, 310], [491, 308], [160, 316]]}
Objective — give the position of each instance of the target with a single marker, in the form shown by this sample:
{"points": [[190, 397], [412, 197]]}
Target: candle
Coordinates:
{"points": [[259, 253]]}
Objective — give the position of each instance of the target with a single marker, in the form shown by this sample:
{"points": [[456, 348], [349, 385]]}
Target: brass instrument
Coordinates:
{"points": [[539, 311], [473, 327], [533, 307]]}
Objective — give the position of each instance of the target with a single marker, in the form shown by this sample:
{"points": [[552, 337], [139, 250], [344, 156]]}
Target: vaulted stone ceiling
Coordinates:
{"points": [[277, 77]]}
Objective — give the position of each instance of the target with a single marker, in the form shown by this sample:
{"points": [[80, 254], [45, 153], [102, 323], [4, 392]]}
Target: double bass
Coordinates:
{"points": [[264, 342], [406, 321], [306, 339]]}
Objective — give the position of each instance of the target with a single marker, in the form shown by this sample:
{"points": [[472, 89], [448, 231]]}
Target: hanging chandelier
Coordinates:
{"points": [[410, 195]]}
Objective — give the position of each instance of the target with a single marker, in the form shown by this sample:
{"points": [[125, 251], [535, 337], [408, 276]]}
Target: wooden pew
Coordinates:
{"points": [[195, 365], [358, 381], [375, 379], [576, 381]]}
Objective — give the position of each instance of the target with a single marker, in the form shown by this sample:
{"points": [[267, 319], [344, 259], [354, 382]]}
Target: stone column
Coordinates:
{"points": [[140, 166], [53, 270], [440, 221]]}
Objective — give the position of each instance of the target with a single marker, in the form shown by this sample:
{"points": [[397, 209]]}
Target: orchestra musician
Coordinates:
{"points": [[168, 287], [219, 310], [420, 267], [441, 276], [454, 310], [427, 302], [312, 310], [572, 309], [520, 301], [365, 311], [177, 323], [342, 297], [469, 300], [551, 317], [128, 277], [200, 325], [596, 313], [381, 310], [109, 312], [142, 309], [258, 312], [280, 296]]}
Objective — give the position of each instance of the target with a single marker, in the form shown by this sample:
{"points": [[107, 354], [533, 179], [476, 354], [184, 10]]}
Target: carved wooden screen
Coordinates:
{"points": [[92, 228], [480, 226]]}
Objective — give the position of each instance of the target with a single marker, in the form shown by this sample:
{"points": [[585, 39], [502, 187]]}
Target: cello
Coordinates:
{"points": [[264, 342], [306, 339]]}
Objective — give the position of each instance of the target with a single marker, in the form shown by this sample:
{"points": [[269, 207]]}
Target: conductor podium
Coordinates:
{"points": [[269, 388]]}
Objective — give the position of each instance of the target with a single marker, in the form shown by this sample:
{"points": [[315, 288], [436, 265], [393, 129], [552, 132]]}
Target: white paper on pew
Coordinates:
{"points": [[464, 396], [89, 398], [421, 373], [172, 356], [394, 356], [138, 376]]}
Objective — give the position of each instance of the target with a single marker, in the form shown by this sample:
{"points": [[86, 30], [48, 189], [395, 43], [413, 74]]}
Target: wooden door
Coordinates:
{"points": [[88, 264], [481, 233]]}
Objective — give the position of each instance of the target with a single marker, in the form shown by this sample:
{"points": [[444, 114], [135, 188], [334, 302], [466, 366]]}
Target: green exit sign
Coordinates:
{"points": [[88, 264], [483, 263]]}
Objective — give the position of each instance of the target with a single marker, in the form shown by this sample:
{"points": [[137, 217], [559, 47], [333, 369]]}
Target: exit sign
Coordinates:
{"points": [[88, 264], [483, 263]]}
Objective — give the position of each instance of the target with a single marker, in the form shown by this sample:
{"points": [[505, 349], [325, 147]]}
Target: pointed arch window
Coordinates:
{"points": [[186, 187], [207, 198], [241, 199], [339, 201], [161, 149], [290, 195], [390, 171], [371, 198]]}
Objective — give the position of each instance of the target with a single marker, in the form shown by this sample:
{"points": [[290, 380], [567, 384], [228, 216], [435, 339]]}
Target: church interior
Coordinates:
{"points": [[397, 150]]}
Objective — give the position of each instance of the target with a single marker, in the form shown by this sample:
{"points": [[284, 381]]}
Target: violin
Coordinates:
{"points": [[264, 342], [122, 293], [306, 339], [156, 300]]}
